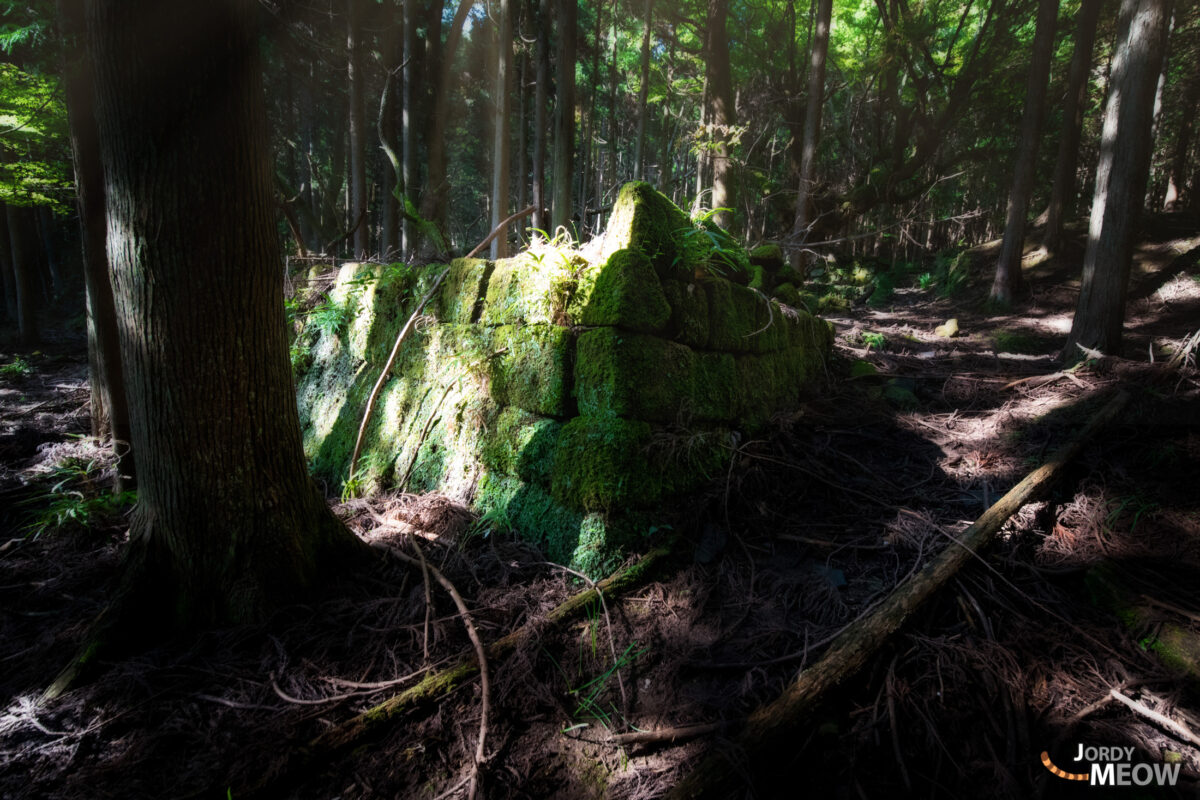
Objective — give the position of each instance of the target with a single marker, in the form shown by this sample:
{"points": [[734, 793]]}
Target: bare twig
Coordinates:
{"points": [[1162, 720]]}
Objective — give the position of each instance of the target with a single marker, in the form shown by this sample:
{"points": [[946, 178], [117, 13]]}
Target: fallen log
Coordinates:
{"points": [[718, 775], [358, 728]]}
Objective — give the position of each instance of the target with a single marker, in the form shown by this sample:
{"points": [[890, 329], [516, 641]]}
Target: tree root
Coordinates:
{"points": [[373, 721], [717, 775]]}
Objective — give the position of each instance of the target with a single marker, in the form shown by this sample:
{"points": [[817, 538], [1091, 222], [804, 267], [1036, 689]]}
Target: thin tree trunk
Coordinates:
{"points": [[228, 524], [522, 165], [357, 205], [1062, 194], [639, 154], [25, 272], [1177, 178], [812, 127], [722, 115], [110, 412], [540, 99], [1121, 177], [408, 125], [1009, 281], [564, 117], [433, 202], [500, 140], [6, 268]]}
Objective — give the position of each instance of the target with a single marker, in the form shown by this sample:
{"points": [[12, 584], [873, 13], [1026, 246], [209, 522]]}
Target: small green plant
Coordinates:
{"points": [[590, 697], [75, 499], [17, 368], [925, 280], [873, 339], [1137, 505], [330, 317]]}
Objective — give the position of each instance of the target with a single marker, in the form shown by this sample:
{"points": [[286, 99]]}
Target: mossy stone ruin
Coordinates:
{"points": [[565, 394]]}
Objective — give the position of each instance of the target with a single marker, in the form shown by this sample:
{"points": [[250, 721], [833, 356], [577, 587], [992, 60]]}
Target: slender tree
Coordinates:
{"points": [[433, 202], [228, 524], [24, 266], [1177, 176], [1009, 280], [639, 154], [1062, 193], [1121, 177], [722, 116], [357, 207], [110, 413], [500, 137], [408, 124], [564, 116], [812, 125], [540, 100]]}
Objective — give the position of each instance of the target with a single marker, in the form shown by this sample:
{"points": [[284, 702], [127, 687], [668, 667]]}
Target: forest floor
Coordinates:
{"points": [[1093, 589]]}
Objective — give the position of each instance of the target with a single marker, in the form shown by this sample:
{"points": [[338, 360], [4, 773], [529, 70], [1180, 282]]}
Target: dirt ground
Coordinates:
{"points": [[1092, 590]]}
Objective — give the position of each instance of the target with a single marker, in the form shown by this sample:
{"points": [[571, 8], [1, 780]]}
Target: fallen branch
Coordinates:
{"points": [[1162, 720], [370, 722], [525, 212], [763, 732], [678, 735]]}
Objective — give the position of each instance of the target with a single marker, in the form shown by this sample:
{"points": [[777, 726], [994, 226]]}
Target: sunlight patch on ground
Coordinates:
{"points": [[1178, 289], [1059, 323]]}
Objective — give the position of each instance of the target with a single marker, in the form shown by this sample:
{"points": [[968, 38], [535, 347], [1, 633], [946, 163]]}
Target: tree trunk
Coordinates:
{"points": [[564, 117], [812, 127], [228, 524], [540, 98], [408, 125], [392, 183], [25, 273], [1177, 178], [6, 269], [110, 412], [1009, 281], [1062, 194], [1121, 176], [500, 148], [639, 154], [357, 206], [721, 114], [433, 202], [521, 169]]}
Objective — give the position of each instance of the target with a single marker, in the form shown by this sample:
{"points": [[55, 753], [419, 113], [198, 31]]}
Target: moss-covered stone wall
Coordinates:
{"points": [[563, 393]]}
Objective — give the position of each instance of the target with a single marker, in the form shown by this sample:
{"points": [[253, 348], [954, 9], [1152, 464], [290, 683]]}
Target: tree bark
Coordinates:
{"points": [[721, 113], [812, 127], [1009, 281], [25, 273], [500, 139], [639, 154], [408, 125], [110, 412], [228, 524], [6, 268], [393, 177], [1062, 193], [1121, 176], [564, 117], [358, 134]]}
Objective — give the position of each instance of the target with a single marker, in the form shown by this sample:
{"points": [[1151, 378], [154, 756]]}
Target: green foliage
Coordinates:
{"points": [[330, 317], [925, 280], [885, 290], [873, 339], [75, 499], [35, 153], [1006, 341], [16, 369]]}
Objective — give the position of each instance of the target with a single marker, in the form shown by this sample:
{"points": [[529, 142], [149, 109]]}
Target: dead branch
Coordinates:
{"points": [[1161, 720], [715, 776], [678, 735], [525, 212]]}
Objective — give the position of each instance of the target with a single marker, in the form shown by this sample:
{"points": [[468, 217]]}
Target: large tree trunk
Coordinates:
{"points": [[358, 133], [639, 152], [409, 125], [812, 127], [21, 234], [1121, 177], [721, 114], [500, 148], [228, 523], [564, 117], [540, 98], [110, 412], [1009, 281], [1062, 193]]}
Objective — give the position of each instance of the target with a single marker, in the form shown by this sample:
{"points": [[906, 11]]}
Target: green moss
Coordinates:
{"points": [[742, 320], [532, 368], [689, 312], [624, 292], [715, 388], [530, 289], [460, 298], [646, 219], [520, 444], [769, 256], [600, 463], [632, 375], [770, 382]]}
